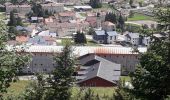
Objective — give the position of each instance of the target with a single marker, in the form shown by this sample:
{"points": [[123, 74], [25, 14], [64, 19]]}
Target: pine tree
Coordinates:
{"points": [[62, 79], [95, 3], [152, 77], [80, 38], [12, 21], [121, 21]]}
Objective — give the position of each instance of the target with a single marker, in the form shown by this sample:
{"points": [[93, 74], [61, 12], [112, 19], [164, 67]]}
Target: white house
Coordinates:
{"points": [[112, 37], [133, 38], [146, 41]]}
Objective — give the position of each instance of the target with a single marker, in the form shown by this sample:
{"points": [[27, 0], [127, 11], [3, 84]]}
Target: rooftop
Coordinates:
{"points": [[104, 69], [112, 33], [100, 32], [81, 50]]}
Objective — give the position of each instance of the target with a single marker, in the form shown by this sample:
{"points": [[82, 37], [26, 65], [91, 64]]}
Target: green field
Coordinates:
{"points": [[2, 16], [138, 17], [91, 43], [18, 87]]}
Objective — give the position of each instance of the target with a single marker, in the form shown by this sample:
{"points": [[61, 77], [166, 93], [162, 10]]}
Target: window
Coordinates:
{"points": [[115, 37], [110, 37], [41, 64]]}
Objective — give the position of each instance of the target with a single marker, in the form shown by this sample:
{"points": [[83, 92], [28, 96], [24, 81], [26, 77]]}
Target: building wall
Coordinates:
{"points": [[56, 9], [127, 61], [112, 39], [97, 82], [41, 62], [20, 9]]}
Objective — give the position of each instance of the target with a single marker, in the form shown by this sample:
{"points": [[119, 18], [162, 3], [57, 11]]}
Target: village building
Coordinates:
{"points": [[23, 9], [98, 72], [104, 37], [42, 59], [82, 8], [53, 7], [66, 16], [108, 26], [133, 38]]}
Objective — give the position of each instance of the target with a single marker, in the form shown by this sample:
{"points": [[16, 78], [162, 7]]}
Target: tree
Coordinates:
{"points": [[89, 95], [80, 38], [10, 61], [62, 80], [131, 14], [95, 3], [151, 79], [131, 2], [35, 91], [12, 21], [121, 21], [91, 31], [112, 17], [14, 1]]}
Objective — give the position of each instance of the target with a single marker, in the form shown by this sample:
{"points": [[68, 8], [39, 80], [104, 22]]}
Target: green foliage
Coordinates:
{"points": [[112, 17], [121, 22], [131, 14], [14, 1], [151, 78], [131, 2], [62, 79], [91, 31], [35, 91], [10, 62], [95, 3], [133, 28], [138, 16], [80, 38], [14, 21], [38, 11]]}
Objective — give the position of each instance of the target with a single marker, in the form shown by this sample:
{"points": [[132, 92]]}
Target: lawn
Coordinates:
{"points": [[83, 14], [2, 16], [101, 91], [91, 43], [64, 41], [125, 78], [137, 17], [104, 7], [17, 88]]}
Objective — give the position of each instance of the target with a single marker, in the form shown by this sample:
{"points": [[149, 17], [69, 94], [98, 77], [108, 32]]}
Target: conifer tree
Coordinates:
{"points": [[152, 77], [62, 80]]}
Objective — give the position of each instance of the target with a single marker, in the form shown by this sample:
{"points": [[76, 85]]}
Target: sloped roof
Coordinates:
{"points": [[38, 40], [133, 35], [112, 33], [104, 69], [83, 50], [100, 32]]}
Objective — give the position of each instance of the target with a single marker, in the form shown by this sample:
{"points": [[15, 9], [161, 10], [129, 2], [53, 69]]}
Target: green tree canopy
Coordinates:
{"points": [[80, 38], [152, 77], [10, 61]]}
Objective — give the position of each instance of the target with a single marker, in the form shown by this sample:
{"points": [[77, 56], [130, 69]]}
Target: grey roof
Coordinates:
{"points": [[20, 28], [104, 69], [112, 33], [100, 32], [37, 40], [133, 35]]}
